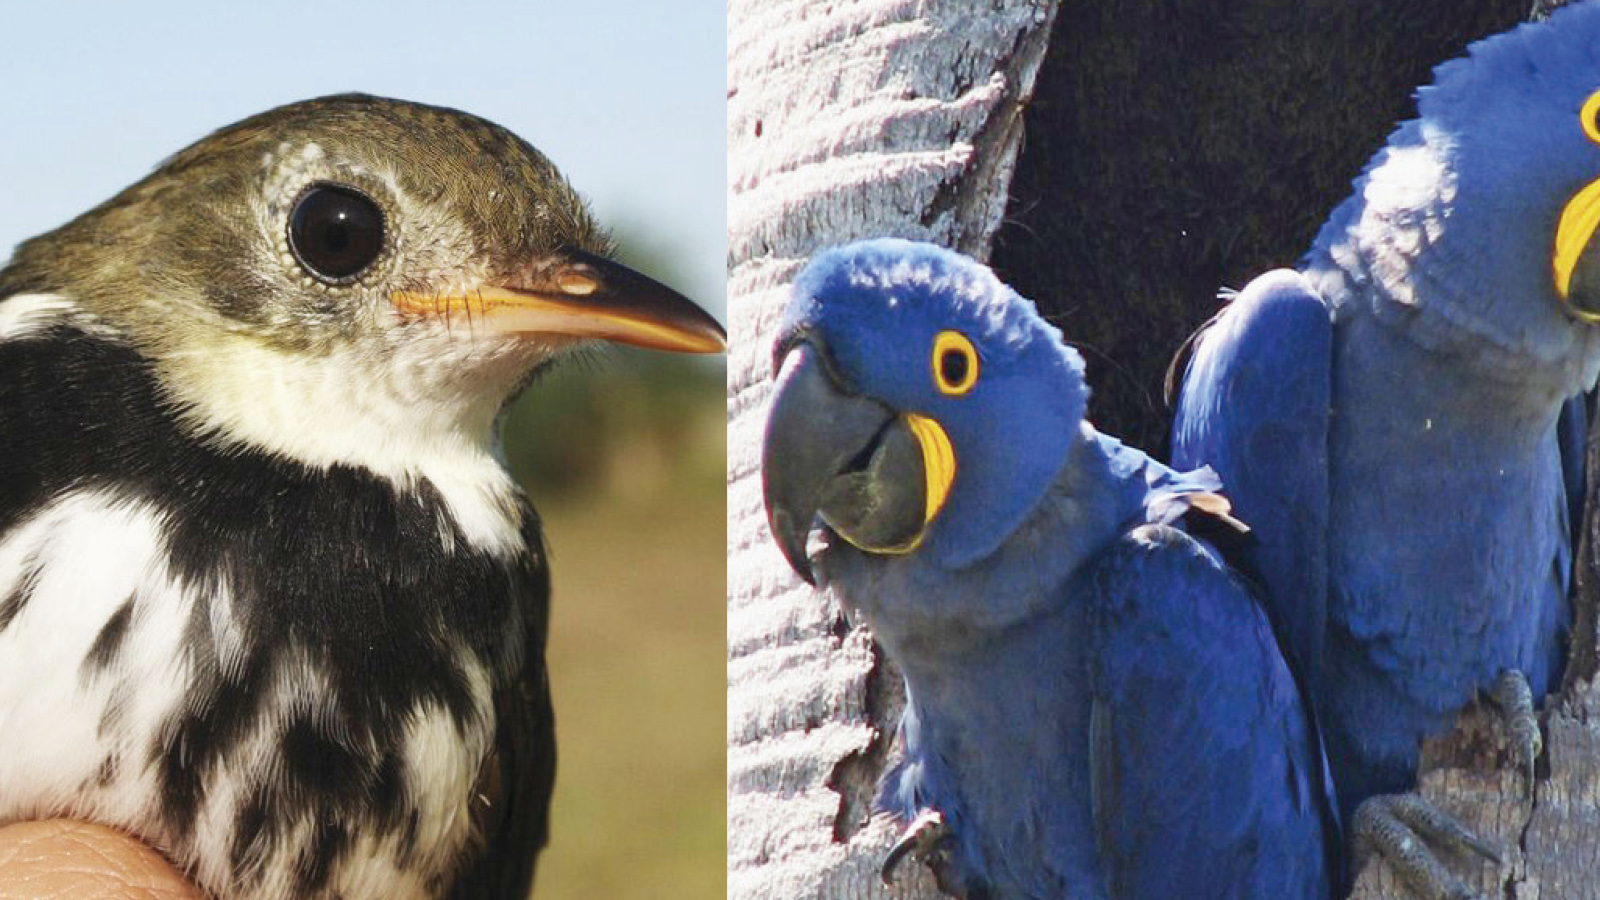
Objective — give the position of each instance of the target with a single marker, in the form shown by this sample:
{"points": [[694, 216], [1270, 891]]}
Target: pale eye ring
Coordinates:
{"points": [[955, 363], [1588, 116]]}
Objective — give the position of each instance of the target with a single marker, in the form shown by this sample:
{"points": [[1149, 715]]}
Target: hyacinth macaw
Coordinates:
{"points": [[1401, 419], [1096, 707]]}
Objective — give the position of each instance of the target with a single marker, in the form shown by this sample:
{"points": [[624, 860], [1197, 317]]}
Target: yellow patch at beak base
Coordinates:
{"points": [[938, 460], [1579, 218]]}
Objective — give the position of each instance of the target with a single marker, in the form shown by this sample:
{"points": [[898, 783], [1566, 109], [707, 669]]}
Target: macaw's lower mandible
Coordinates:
{"points": [[1096, 708]]}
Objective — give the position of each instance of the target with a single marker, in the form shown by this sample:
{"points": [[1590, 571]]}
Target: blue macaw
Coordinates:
{"points": [[1401, 420], [1096, 707]]}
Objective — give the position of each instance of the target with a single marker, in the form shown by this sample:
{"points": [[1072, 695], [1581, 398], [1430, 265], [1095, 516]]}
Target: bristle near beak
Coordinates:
{"points": [[580, 294]]}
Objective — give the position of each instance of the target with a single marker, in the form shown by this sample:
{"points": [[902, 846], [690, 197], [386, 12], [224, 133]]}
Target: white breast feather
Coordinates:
{"points": [[92, 552]]}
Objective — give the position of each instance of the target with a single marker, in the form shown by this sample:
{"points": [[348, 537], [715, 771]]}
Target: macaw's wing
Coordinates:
{"points": [[1207, 773], [1254, 407]]}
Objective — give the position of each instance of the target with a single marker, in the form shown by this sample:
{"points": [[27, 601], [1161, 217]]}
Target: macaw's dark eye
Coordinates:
{"points": [[953, 367], [336, 232], [955, 363]]}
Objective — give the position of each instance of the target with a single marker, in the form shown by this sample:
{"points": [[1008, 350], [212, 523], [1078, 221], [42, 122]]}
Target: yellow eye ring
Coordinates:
{"points": [[955, 363], [1588, 114]]}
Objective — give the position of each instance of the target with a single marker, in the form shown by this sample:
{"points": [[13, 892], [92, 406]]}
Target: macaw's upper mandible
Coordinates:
{"points": [[1096, 707]]}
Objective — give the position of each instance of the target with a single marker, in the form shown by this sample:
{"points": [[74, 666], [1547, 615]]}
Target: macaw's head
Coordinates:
{"points": [[921, 406], [1484, 209]]}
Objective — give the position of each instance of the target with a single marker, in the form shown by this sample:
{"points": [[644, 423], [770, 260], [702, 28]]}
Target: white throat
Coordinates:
{"points": [[393, 419]]}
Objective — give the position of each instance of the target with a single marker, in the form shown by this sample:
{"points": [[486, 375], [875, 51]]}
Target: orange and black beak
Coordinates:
{"points": [[580, 294]]}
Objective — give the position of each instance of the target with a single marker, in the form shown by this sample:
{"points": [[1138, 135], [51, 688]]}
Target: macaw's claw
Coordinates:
{"points": [[1405, 829], [923, 838], [1514, 699], [930, 840]]}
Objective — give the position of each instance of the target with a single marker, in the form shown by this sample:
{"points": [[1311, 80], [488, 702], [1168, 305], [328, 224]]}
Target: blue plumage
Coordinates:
{"points": [[1398, 419], [1096, 707]]}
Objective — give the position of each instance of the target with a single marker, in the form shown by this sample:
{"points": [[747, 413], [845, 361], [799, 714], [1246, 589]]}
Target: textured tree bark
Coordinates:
{"points": [[899, 117]]}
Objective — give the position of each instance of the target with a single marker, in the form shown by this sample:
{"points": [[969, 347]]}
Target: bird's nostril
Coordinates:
{"points": [[577, 283]]}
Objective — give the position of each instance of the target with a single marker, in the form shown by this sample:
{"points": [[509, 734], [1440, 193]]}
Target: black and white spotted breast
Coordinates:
{"points": [[296, 681]]}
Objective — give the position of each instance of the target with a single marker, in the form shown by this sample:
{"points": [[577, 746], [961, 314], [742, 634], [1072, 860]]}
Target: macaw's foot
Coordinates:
{"points": [[1405, 829], [1514, 700], [930, 840]]}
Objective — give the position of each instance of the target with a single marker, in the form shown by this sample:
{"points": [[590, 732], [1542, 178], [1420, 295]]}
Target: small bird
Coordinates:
{"points": [[1401, 422], [1095, 705], [268, 597]]}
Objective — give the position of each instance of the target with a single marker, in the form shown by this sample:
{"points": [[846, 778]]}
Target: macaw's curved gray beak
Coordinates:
{"points": [[850, 459]]}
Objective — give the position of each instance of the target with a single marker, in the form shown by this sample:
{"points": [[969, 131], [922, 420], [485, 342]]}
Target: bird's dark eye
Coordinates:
{"points": [[955, 363], [953, 367], [336, 232]]}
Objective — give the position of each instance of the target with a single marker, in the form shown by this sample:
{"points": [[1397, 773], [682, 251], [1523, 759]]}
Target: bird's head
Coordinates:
{"points": [[304, 267], [1485, 207], [920, 406]]}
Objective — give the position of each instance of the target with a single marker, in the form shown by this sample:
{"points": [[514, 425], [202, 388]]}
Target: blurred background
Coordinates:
{"points": [[622, 452]]}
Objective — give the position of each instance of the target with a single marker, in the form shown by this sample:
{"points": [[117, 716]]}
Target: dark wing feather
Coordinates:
{"points": [[1207, 775], [512, 809]]}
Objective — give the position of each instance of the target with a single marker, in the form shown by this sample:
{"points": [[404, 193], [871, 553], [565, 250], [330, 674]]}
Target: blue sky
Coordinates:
{"points": [[627, 98]]}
